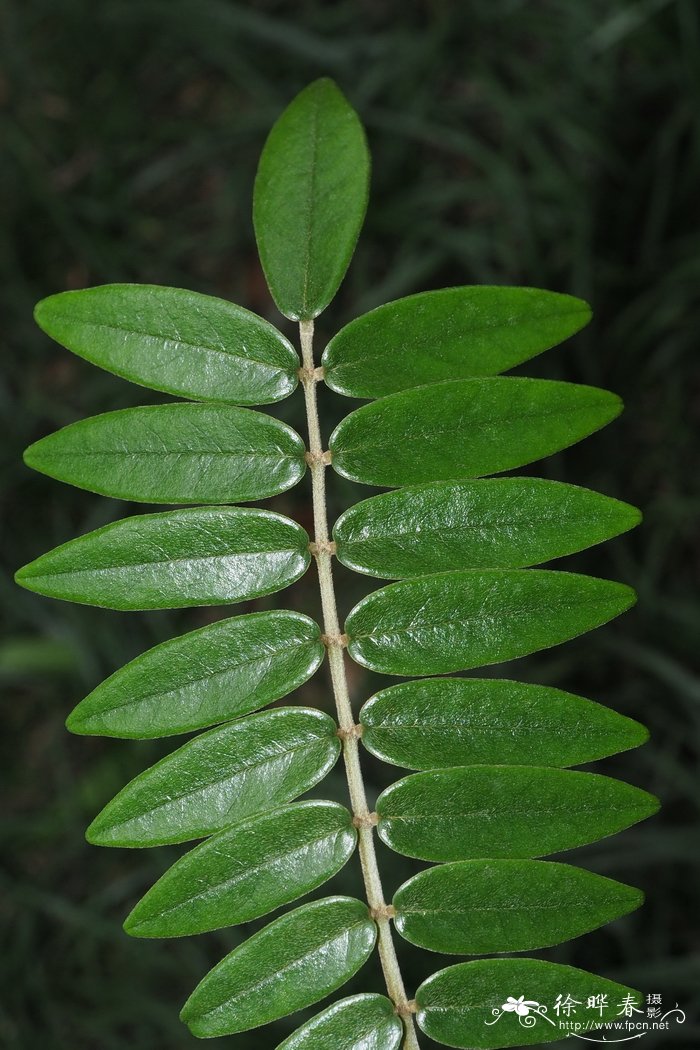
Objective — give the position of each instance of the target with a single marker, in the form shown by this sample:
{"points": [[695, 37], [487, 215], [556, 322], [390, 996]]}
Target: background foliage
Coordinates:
{"points": [[543, 143]]}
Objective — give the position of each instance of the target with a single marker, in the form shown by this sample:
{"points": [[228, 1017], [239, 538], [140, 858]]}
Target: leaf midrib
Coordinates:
{"points": [[434, 530], [159, 561], [426, 344], [179, 342], [145, 697], [558, 905], [268, 760], [382, 637], [492, 814], [241, 876], [470, 424], [309, 223], [291, 966], [436, 727]]}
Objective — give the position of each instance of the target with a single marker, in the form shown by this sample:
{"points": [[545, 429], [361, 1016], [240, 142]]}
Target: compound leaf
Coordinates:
{"points": [[436, 722], [477, 907], [452, 333], [292, 963], [362, 1022], [177, 453], [466, 428], [180, 558], [505, 811], [247, 871], [473, 1005], [220, 778], [173, 340], [310, 199], [456, 620], [211, 675], [494, 523]]}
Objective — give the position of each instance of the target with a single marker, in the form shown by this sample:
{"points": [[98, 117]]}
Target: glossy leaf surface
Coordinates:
{"points": [[456, 620], [505, 811], [452, 333], [173, 340], [477, 907], [221, 777], [198, 556], [177, 453], [310, 199], [491, 523], [211, 675], [436, 722], [292, 963], [463, 1006], [247, 871], [466, 429], [362, 1022]]}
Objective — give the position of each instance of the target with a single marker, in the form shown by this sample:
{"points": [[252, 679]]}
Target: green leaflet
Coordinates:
{"points": [[211, 675], [292, 963], [221, 777], [172, 340], [177, 453], [466, 428], [362, 1022], [452, 333], [436, 722], [198, 556], [491, 523], [456, 620], [505, 811], [476, 907], [247, 871], [310, 199], [461, 546], [463, 1006]]}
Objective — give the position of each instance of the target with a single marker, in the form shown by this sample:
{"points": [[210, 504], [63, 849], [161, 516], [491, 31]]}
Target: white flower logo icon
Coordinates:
{"points": [[520, 1006]]}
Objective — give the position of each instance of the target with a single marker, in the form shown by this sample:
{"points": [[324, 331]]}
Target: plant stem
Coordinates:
{"points": [[346, 720]]}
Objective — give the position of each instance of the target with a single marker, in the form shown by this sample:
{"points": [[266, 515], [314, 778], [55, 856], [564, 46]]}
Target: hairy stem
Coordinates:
{"points": [[336, 660]]}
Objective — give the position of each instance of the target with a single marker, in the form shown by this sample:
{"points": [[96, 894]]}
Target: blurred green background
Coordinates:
{"points": [[549, 143]]}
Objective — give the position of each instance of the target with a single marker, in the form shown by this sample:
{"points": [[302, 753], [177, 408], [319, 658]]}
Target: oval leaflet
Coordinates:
{"points": [[433, 722], [247, 871], [180, 558], [451, 333], [210, 675], [174, 340], [479, 907], [221, 777], [295, 961], [505, 811], [175, 453]]}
